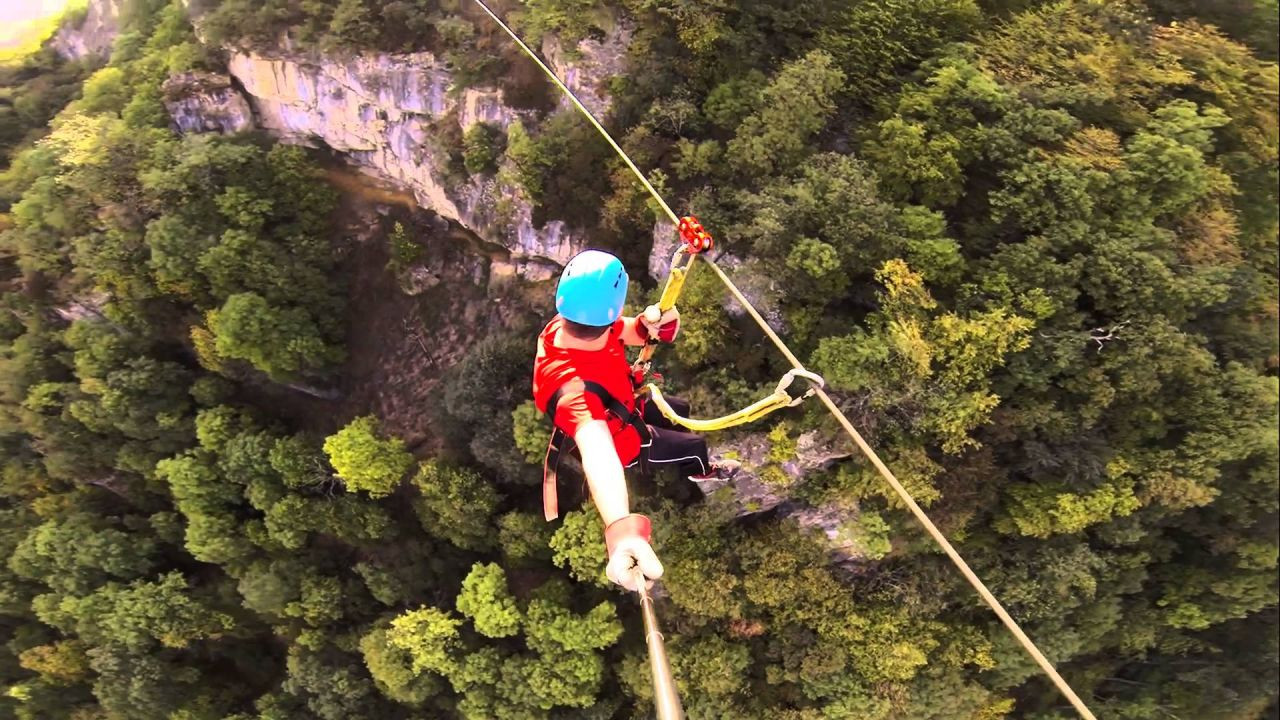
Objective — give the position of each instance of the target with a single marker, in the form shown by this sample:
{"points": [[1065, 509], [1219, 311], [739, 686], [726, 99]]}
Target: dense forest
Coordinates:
{"points": [[1031, 245]]}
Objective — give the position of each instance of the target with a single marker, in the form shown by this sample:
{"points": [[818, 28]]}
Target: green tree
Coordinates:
{"points": [[144, 612], [480, 149], [393, 672], [875, 42], [524, 537], [75, 553], [487, 601], [282, 342], [353, 24], [104, 92], [795, 104], [430, 637], [551, 628], [570, 19], [455, 504], [579, 548], [531, 432], [364, 460]]}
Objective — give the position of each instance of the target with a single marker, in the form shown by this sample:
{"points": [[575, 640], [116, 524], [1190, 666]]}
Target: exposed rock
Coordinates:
{"points": [[753, 495], [205, 102], [665, 241], [586, 71], [749, 494], [486, 106], [380, 110], [417, 280], [814, 453], [759, 285], [388, 113], [94, 36], [84, 308], [833, 522]]}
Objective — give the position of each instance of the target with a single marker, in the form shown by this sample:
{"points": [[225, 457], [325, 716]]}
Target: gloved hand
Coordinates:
{"points": [[661, 326], [627, 542]]}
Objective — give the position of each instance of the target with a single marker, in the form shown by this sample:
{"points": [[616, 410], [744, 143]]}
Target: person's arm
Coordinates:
{"points": [[633, 333], [626, 535], [605, 478]]}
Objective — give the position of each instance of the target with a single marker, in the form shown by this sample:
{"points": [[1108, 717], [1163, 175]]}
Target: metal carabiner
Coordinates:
{"points": [[815, 382]]}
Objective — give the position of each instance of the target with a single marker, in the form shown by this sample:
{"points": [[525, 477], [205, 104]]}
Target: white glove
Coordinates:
{"points": [[659, 325], [627, 542], [628, 555]]}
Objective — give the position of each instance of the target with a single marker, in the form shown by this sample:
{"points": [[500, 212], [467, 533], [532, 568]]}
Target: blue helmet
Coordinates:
{"points": [[592, 289]]}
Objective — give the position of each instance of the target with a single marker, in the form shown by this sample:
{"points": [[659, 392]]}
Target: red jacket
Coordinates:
{"points": [[555, 366]]}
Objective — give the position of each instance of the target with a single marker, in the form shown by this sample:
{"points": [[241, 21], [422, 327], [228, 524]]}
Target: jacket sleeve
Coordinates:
{"points": [[577, 407]]}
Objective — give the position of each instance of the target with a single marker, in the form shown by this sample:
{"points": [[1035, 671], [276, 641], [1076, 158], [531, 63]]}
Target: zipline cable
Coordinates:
{"points": [[839, 415]]}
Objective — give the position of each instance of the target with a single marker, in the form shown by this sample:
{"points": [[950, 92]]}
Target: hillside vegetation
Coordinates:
{"points": [[1032, 246]]}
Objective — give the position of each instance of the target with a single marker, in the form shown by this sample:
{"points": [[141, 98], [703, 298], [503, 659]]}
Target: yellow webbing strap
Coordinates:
{"points": [[675, 283], [779, 399], [676, 276]]}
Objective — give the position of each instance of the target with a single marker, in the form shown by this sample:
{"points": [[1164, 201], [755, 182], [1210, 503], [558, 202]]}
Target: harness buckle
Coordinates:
{"points": [[695, 237]]}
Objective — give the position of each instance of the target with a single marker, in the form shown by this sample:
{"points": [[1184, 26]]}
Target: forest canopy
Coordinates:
{"points": [[1031, 245]]}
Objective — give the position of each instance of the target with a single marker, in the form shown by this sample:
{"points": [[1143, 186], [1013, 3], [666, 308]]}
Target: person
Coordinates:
{"points": [[584, 383]]}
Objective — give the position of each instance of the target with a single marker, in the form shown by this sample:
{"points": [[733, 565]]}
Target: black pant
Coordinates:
{"points": [[671, 447]]}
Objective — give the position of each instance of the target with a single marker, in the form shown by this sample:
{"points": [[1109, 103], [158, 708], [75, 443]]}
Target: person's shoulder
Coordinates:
{"points": [[550, 329]]}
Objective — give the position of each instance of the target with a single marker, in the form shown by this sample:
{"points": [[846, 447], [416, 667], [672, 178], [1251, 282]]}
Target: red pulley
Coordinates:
{"points": [[696, 239]]}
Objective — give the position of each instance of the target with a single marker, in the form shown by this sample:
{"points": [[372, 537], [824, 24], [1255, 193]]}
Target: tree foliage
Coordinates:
{"points": [[1031, 246], [365, 461]]}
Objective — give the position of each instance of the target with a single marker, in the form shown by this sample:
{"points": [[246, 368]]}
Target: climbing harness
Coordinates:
{"points": [[968, 573], [561, 443]]}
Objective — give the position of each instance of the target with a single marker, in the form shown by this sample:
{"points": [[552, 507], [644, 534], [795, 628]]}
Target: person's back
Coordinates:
{"points": [[563, 359]]}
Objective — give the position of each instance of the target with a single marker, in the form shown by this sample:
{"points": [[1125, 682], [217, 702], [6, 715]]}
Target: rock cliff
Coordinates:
{"points": [[94, 36], [205, 102], [382, 113], [388, 113]]}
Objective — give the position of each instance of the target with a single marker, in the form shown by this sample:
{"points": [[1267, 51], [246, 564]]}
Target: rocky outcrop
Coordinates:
{"points": [[204, 102], [665, 242], [484, 106], [94, 36], [750, 493], [586, 70], [90, 307], [390, 115]]}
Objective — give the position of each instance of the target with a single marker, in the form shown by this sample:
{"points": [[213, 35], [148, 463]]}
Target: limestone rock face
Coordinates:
{"points": [[205, 102], [665, 242], [749, 494], [484, 105], [95, 36], [381, 112], [586, 71], [390, 114]]}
